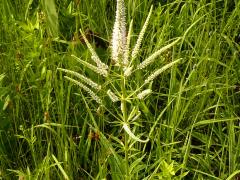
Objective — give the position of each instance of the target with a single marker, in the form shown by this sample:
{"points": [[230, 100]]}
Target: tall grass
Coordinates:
{"points": [[186, 128]]}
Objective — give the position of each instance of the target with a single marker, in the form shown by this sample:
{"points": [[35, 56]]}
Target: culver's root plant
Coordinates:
{"points": [[119, 76]]}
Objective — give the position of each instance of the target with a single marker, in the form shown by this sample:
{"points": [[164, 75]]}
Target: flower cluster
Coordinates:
{"points": [[123, 57], [119, 40]]}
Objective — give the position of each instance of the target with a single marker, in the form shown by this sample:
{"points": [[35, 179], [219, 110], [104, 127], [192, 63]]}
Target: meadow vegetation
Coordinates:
{"points": [[146, 89]]}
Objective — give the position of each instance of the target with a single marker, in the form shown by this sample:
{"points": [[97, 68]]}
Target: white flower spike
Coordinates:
{"points": [[119, 40]]}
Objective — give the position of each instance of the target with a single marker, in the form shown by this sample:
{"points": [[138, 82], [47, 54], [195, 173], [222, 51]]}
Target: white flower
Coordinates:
{"points": [[83, 78], [137, 116], [126, 53], [131, 135], [144, 93], [159, 71], [128, 71], [140, 36], [89, 91], [118, 44], [112, 96], [151, 58], [94, 56], [98, 70]]}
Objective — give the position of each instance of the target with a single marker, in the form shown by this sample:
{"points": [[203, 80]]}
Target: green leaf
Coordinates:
{"points": [[137, 165], [60, 167], [52, 17]]}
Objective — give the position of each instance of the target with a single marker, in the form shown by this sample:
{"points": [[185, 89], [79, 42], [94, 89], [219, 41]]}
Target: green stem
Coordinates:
{"points": [[125, 119]]}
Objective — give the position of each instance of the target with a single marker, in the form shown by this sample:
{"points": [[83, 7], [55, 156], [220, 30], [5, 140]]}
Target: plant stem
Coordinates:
{"points": [[125, 119]]}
